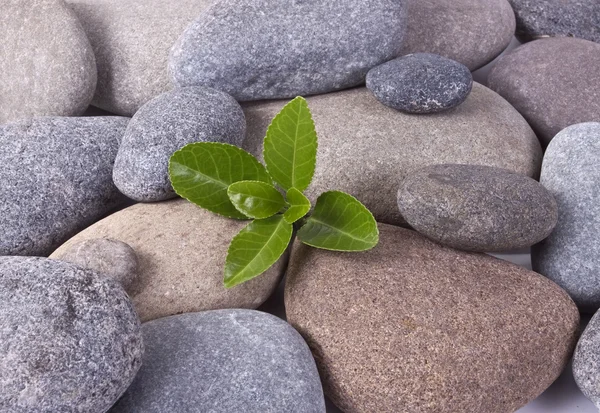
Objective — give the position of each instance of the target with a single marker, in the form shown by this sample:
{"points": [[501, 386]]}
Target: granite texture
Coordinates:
{"points": [[268, 49], [181, 250], [47, 66], [571, 255], [477, 208], [586, 360], [540, 18], [224, 361], [472, 32], [412, 326], [166, 124], [131, 40], [70, 339], [420, 83], [552, 82], [56, 179], [366, 148], [108, 257]]}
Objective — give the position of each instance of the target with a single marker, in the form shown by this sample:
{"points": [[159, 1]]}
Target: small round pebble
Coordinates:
{"points": [[420, 83], [110, 257], [586, 360]]}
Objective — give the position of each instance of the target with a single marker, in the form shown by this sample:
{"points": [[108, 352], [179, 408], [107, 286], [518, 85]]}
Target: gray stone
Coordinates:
{"points": [[132, 40], [268, 49], [181, 251], [411, 326], [367, 149], [109, 257], [164, 125], [472, 32], [56, 179], [571, 255], [540, 18], [222, 362], [70, 339], [586, 360], [477, 208], [552, 82], [47, 66], [420, 83]]}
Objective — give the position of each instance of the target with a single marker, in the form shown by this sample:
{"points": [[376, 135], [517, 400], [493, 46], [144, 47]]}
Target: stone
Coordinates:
{"points": [[586, 360], [367, 149], [269, 49], [477, 208], [132, 40], [70, 339], [224, 361], [109, 257], [47, 66], [420, 83], [411, 326], [164, 125], [570, 256], [472, 32], [551, 82], [541, 18], [181, 251], [56, 179]]}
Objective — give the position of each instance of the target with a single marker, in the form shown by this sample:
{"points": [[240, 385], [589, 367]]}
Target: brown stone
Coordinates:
{"points": [[412, 326]]}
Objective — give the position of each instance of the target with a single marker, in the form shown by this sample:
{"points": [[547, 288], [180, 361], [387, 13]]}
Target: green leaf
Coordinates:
{"points": [[256, 248], [201, 172], [299, 205], [340, 223], [256, 199], [290, 147]]}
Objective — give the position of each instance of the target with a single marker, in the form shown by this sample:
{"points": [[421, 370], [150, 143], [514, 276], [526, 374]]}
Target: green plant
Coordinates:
{"points": [[227, 180]]}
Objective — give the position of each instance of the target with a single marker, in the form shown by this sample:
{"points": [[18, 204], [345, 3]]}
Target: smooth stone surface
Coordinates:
{"points": [[552, 82], [571, 255], [269, 49], [224, 361], [108, 257], [477, 208], [181, 250], [420, 83], [56, 179], [367, 149], [472, 32], [412, 326], [539, 18], [166, 124], [132, 40], [70, 339], [586, 360], [47, 66]]}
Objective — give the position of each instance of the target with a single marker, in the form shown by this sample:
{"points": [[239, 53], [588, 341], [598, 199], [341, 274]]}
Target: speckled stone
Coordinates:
{"points": [[132, 40], [181, 250], [539, 18], [587, 359], [571, 255], [269, 49], [224, 361], [397, 326], [477, 208], [367, 149], [472, 32], [109, 257], [70, 339], [164, 125], [56, 179], [47, 66], [420, 83], [552, 82]]}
